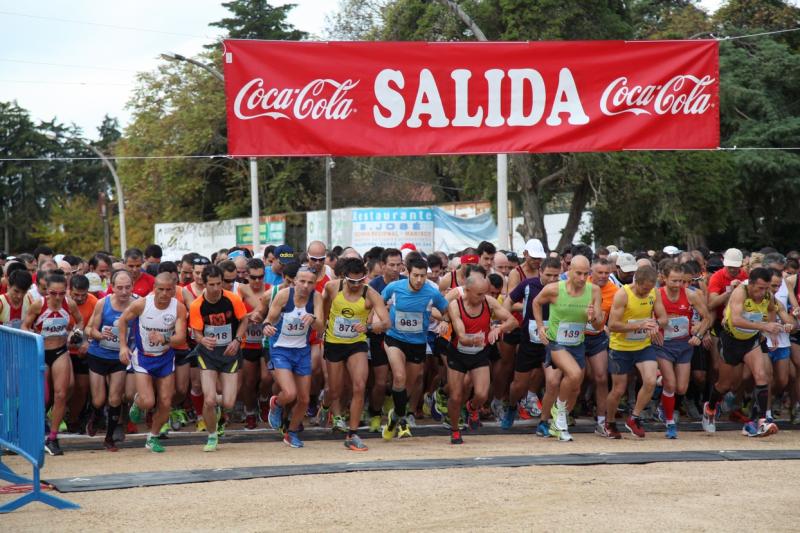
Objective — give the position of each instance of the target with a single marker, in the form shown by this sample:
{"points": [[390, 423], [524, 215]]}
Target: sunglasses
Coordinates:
{"points": [[229, 280], [355, 281], [57, 293], [256, 278], [316, 258], [201, 261], [697, 279]]}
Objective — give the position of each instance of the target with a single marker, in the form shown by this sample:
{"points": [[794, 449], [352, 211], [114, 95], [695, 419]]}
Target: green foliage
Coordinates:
{"points": [[257, 19], [74, 225]]}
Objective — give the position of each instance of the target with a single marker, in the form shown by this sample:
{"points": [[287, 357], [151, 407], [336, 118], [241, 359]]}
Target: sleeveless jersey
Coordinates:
{"points": [[291, 331], [475, 327], [51, 324], [568, 316], [680, 314], [109, 321], [254, 335], [158, 320], [637, 310], [345, 316], [12, 316], [753, 311]]}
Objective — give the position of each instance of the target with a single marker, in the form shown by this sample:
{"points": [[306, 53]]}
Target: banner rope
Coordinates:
{"points": [[762, 34]]}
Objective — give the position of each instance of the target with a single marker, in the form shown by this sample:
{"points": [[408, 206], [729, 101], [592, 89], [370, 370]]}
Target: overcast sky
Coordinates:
{"points": [[76, 60]]}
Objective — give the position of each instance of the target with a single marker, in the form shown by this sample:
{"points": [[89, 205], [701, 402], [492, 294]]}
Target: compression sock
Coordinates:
{"points": [[197, 403], [715, 397], [400, 398], [111, 420], [759, 409], [668, 404]]}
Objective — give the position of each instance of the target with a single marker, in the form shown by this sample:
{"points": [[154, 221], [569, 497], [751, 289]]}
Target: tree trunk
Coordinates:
{"points": [[532, 226], [579, 198]]}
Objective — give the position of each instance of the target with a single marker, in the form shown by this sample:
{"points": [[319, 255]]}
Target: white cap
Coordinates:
{"points": [[732, 258], [95, 284], [671, 250], [535, 249], [58, 258], [612, 249], [626, 262]]}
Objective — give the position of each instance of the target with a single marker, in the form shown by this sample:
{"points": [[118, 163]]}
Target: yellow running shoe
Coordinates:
{"points": [[403, 429], [201, 425], [375, 424], [390, 429]]}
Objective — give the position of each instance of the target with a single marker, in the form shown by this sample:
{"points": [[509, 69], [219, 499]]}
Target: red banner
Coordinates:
{"points": [[416, 98]]}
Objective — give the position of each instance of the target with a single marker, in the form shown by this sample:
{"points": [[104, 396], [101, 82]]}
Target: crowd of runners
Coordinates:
{"points": [[378, 342]]}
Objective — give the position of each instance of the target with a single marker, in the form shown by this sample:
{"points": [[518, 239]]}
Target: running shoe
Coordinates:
{"points": [[375, 424], [62, 427], [390, 429], [323, 416], [796, 414], [109, 445], [403, 429], [600, 430], [455, 437], [672, 431], [691, 410], [564, 436], [534, 406], [52, 447], [709, 417], [165, 428], [154, 444], [275, 413], [543, 429], [612, 431], [553, 429], [311, 410], [439, 411], [659, 415], [522, 411], [222, 422], [211, 443], [263, 410], [766, 428], [119, 434], [508, 419], [135, 412], [412, 421], [339, 424], [559, 414], [291, 439], [91, 429], [427, 404], [250, 422], [750, 429], [355, 444], [498, 411], [201, 425], [474, 416], [634, 425]]}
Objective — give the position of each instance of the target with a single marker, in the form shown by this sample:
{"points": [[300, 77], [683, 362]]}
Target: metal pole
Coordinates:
{"points": [[502, 201], [123, 233], [104, 216], [328, 202], [254, 206]]}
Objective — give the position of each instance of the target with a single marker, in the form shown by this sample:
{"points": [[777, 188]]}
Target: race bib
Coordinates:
{"points": [[345, 328], [54, 327], [113, 342], [293, 326], [480, 337], [752, 317], [533, 331], [570, 333], [255, 332], [637, 334], [677, 328], [408, 322], [222, 334]]}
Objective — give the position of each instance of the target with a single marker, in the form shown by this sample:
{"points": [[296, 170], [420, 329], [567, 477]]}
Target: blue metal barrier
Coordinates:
{"points": [[22, 412]]}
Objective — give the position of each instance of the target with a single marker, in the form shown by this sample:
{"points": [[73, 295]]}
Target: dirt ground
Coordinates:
{"points": [[728, 496]]}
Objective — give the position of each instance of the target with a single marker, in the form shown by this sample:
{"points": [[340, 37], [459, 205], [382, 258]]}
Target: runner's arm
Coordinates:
{"points": [[660, 312], [30, 317], [131, 312], [318, 325], [707, 319], [93, 327], [509, 322], [179, 337], [598, 320], [455, 318], [615, 323], [379, 311]]}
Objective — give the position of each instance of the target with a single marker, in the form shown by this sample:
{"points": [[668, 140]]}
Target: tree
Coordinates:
{"points": [[257, 19]]}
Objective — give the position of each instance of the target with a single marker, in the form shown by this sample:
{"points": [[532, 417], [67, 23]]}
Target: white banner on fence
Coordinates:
{"points": [[391, 227]]}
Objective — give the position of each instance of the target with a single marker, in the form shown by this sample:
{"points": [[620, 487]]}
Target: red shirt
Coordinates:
{"points": [[142, 287], [719, 283]]}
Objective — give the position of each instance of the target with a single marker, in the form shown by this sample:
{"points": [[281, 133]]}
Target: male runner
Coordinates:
{"points": [[468, 354], [106, 372], [681, 336], [410, 303], [573, 302], [219, 320], [751, 311], [78, 291], [293, 313], [633, 331], [347, 304], [253, 295], [15, 302]]}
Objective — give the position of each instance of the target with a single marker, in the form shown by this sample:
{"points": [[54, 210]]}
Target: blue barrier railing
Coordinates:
{"points": [[22, 412]]}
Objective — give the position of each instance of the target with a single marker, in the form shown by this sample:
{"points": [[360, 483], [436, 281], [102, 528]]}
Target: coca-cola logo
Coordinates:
{"points": [[320, 98], [681, 95]]}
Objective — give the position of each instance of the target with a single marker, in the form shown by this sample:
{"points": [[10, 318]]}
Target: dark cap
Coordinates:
{"points": [[284, 253]]}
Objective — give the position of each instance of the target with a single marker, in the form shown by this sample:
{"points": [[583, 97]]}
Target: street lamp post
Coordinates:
{"points": [[123, 239], [254, 207]]}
